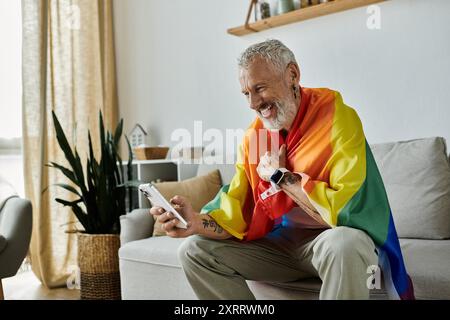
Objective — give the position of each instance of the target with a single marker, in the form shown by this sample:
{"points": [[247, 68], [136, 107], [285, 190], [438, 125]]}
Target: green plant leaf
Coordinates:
{"points": [[130, 173], [79, 213], [63, 143], [91, 149], [118, 133], [102, 138], [102, 184], [72, 158], [78, 170], [67, 172], [69, 203], [119, 161], [67, 187]]}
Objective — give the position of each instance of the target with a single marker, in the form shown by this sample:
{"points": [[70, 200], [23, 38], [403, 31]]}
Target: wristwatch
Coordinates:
{"points": [[278, 175]]}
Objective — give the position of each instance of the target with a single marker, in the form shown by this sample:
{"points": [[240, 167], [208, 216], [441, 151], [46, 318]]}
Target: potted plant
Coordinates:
{"points": [[100, 188]]}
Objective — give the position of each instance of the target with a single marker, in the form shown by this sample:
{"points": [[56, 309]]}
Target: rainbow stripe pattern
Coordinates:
{"points": [[327, 146]]}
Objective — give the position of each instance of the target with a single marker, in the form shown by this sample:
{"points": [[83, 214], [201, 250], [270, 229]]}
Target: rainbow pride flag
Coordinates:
{"points": [[327, 146]]}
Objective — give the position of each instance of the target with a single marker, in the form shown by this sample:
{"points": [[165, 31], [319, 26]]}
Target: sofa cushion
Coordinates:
{"points": [[427, 262], [154, 250], [416, 174], [199, 190], [135, 225], [227, 171]]}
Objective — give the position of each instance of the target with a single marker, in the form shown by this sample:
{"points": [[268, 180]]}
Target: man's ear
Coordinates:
{"points": [[293, 72]]}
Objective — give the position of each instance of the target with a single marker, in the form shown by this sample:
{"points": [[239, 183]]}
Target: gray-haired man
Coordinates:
{"points": [[300, 243]]}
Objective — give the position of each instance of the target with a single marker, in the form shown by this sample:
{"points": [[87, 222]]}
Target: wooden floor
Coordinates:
{"points": [[25, 286]]}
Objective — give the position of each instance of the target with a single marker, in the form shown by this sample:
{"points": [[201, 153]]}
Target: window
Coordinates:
{"points": [[11, 160]]}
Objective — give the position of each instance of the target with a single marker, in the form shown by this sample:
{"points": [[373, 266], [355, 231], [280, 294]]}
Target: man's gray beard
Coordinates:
{"points": [[285, 115]]}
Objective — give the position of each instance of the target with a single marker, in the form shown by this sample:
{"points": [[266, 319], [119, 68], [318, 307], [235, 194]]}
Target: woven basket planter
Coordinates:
{"points": [[98, 260]]}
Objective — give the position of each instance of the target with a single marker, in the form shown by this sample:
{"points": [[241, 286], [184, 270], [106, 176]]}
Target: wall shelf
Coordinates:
{"points": [[164, 169], [300, 15]]}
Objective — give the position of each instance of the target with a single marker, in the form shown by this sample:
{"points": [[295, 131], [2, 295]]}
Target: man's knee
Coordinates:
{"points": [[194, 248], [345, 243], [188, 248]]}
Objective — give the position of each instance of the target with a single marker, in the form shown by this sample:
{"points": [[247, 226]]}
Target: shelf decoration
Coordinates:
{"points": [[313, 10]]}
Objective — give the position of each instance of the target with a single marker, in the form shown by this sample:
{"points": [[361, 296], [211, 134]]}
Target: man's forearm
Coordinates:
{"points": [[291, 185], [208, 227]]}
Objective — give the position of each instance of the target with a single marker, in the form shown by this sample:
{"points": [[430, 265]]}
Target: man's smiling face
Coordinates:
{"points": [[268, 91]]}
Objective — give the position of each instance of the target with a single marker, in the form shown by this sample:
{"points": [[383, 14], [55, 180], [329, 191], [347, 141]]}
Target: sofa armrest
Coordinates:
{"points": [[2, 243], [136, 225], [15, 228]]}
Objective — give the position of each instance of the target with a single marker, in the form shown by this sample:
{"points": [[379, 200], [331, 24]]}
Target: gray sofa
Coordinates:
{"points": [[15, 235], [417, 178]]}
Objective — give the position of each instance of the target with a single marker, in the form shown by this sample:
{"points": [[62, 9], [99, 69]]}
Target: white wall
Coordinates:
{"points": [[11, 69], [177, 64]]}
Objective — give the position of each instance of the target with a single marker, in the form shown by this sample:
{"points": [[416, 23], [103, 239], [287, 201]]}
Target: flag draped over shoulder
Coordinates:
{"points": [[327, 146]]}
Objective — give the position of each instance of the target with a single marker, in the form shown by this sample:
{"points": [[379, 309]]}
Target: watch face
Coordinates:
{"points": [[276, 177]]}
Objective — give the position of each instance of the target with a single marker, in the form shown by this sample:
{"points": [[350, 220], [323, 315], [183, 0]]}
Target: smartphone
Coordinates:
{"points": [[157, 200]]}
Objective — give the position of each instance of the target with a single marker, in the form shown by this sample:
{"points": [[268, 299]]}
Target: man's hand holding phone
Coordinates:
{"points": [[169, 221], [178, 219]]}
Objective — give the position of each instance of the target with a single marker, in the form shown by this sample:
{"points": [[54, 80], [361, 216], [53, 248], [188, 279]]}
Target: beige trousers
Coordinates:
{"points": [[217, 269]]}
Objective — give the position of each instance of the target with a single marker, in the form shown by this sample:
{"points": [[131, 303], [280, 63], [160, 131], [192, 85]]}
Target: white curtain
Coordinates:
{"points": [[68, 67]]}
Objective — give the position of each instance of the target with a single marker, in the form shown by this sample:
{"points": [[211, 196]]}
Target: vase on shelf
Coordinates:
{"points": [[263, 8], [273, 4], [285, 6]]}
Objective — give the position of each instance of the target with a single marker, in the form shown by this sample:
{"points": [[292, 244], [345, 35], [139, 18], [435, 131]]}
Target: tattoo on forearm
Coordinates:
{"points": [[290, 178], [212, 224]]}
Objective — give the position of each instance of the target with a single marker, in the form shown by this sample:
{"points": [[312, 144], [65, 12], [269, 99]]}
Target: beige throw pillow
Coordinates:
{"points": [[199, 190], [416, 174]]}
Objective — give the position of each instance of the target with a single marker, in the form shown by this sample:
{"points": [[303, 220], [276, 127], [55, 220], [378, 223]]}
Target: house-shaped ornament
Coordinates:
{"points": [[138, 136]]}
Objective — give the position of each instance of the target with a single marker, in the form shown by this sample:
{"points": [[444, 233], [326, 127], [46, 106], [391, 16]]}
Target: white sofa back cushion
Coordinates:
{"points": [[416, 175], [227, 171]]}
